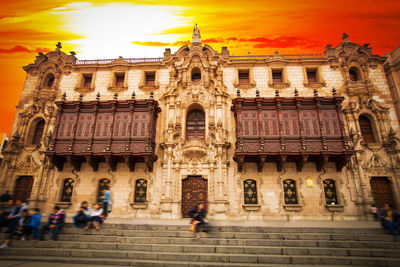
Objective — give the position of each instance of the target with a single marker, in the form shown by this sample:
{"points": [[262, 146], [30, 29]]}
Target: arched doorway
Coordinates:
{"points": [[23, 188], [194, 191], [382, 191]]}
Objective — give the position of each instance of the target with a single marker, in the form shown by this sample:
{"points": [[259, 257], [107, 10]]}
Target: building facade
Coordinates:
{"points": [[278, 137]]}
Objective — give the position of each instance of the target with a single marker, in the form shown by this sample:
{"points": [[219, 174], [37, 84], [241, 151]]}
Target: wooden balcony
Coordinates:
{"points": [[104, 131], [296, 130]]}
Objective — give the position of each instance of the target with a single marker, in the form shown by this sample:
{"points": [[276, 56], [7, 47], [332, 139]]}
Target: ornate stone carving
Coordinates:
{"points": [[28, 164]]}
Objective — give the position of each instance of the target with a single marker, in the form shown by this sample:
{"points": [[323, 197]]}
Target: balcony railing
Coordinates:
{"points": [[263, 57], [109, 61]]}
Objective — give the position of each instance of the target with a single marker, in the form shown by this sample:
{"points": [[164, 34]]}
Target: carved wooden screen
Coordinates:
{"points": [[366, 129], [194, 191], [331, 122], [289, 191], [250, 123], [121, 122], [38, 133], [67, 122], [195, 125], [67, 189], [23, 188], [139, 124], [270, 122], [250, 191], [290, 123], [310, 122], [103, 184], [103, 123], [140, 191], [382, 191], [85, 122], [330, 192]]}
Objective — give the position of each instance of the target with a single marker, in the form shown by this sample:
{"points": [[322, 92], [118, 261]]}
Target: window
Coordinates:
{"points": [[289, 191], [103, 184], [366, 129], [277, 76], [140, 191], [38, 132], [195, 125], [87, 80], [119, 79], [150, 78], [196, 75], [250, 191], [48, 81], [244, 77], [354, 74], [330, 192], [67, 189], [312, 76]]}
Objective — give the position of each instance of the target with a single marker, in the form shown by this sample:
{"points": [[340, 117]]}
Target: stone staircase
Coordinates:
{"points": [[174, 245]]}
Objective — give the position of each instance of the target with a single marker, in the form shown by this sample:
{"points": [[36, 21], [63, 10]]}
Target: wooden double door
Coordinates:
{"points": [[23, 188], [194, 191], [382, 191]]}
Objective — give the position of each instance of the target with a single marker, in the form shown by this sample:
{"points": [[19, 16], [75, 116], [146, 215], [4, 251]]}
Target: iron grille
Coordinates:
{"points": [[140, 191], [250, 191]]}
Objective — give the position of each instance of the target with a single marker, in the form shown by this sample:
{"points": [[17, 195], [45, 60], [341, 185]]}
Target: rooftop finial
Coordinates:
{"points": [[58, 45], [345, 37], [196, 37]]}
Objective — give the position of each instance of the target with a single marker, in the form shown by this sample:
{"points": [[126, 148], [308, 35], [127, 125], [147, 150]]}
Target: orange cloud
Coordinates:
{"points": [[22, 49]]}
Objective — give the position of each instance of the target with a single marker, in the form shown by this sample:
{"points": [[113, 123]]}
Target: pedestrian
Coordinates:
{"points": [[15, 215], [197, 214], [55, 223], [106, 199], [5, 210], [96, 217], [35, 222], [390, 218], [82, 215], [22, 230], [5, 197]]}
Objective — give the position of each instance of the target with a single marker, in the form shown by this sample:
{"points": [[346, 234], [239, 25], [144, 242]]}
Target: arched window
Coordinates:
{"points": [[195, 125], [289, 191], [366, 129], [140, 191], [103, 184], [250, 191], [330, 192], [38, 132], [354, 74], [67, 189], [48, 81], [196, 75]]}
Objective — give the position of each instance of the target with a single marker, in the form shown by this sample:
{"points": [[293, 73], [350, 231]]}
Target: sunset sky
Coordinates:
{"points": [[108, 29]]}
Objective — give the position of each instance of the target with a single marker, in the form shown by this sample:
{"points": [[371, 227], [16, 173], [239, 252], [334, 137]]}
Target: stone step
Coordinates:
{"points": [[266, 250], [230, 241], [255, 229], [203, 257], [234, 235], [149, 263]]}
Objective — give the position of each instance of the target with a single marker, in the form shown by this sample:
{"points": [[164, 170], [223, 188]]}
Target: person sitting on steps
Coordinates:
{"points": [[96, 217], [54, 224], [82, 215], [390, 218]]}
